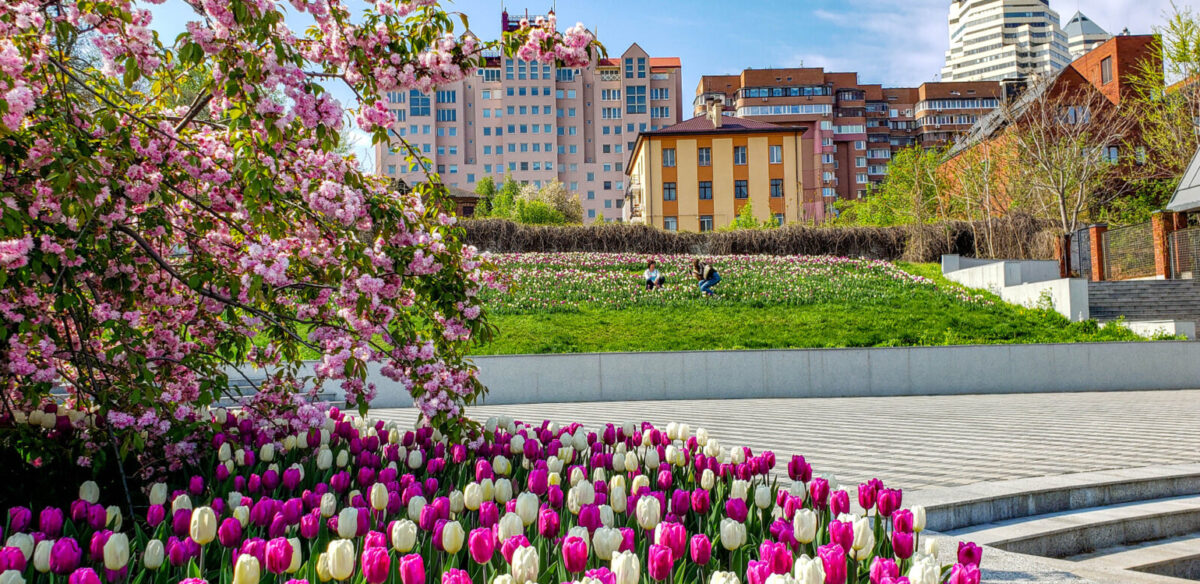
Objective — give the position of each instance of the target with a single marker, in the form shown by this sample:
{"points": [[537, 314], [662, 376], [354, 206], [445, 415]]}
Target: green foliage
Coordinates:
{"points": [[552, 204], [746, 220], [913, 192], [1169, 96], [486, 189], [1145, 197], [538, 213], [763, 304]]}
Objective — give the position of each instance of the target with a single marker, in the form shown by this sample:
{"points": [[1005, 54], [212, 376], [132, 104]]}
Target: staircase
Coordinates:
{"points": [[1145, 300]]}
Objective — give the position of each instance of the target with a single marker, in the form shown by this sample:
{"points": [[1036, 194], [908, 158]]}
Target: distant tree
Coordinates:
{"points": [[913, 192], [486, 189], [1168, 97], [556, 195], [745, 219]]}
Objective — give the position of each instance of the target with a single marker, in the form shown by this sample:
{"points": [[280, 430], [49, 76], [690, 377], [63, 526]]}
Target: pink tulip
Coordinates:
{"points": [[84, 576], [12, 558], [882, 568], [376, 563], [842, 534], [575, 554], [833, 559], [969, 554], [659, 562], [548, 523], [888, 501], [481, 544], [757, 572], [456, 577], [412, 569], [902, 520], [964, 574], [902, 543], [701, 549], [64, 556], [839, 502]]}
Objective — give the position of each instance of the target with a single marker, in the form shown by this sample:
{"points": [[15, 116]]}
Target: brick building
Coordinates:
{"points": [[538, 123], [855, 128]]}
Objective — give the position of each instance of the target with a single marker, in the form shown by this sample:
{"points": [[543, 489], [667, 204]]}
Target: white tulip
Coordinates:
{"points": [[931, 547], [579, 440], [504, 491], [733, 534], [23, 542], [725, 578], [203, 528], [626, 567], [762, 497], [527, 508], [918, 512], [649, 512], [415, 505], [501, 466], [510, 525], [289, 443], [452, 537], [324, 458], [239, 456], [267, 452], [340, 554], [11, 577], [555, 464], [379, 497], [780, 579], [525, 565], [242, 514], [343, 458], [605, 541], [638, 482], [113, 517], [517, 445], [152, 558], [180, 502], [923, 572], [707, 479], [737, 454], [456, 502], [809, 570], [864, 537], [489, 489], [740, 490], [618, 498], [473, 496], [404, 535], [607, 518], [89, 491], [41, 555], [348, 523], [804, 525], [297, 555]]}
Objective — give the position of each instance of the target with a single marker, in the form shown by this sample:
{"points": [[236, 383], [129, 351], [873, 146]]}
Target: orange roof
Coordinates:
{"points": [[607, 63], [665, 62]]}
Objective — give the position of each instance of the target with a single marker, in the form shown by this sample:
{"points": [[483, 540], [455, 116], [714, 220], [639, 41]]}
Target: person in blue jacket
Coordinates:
{"points": [[706, 275]]}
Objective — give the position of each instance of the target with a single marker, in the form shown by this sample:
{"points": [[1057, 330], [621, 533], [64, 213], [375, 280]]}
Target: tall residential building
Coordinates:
{"points": [[699, 174], [854, 128], [995, 40], [538, 123], [1083, 35]]}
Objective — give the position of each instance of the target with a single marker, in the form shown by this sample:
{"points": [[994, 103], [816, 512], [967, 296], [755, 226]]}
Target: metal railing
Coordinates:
{"points": [[1184, 251], [1081, 253], [1129, 252]]}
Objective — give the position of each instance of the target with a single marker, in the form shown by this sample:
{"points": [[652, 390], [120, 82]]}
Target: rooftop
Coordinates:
{"points": [[729, 124], [1081, 25]]}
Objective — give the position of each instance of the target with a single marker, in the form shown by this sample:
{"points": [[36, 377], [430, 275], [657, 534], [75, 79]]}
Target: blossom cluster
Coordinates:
{"points": [[362, 501]]}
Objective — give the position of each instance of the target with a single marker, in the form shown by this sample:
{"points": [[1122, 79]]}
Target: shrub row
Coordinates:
{"points": [[1014, 237]]}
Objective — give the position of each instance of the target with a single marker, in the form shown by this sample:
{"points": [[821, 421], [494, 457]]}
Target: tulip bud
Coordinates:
{"points": [[525, 565], [379, 497], [648, 512], [918, 512], [341, 558], [510, 525], [203, 528], [733, 534], [348, 526], [626, 568], [324, 458], [89, 491], [452, 537], [152, 558], [804, 525], [504, 490], [116, 551], [404, 535], [246, 570], [41, 555], [23, 542], [11, 577]]}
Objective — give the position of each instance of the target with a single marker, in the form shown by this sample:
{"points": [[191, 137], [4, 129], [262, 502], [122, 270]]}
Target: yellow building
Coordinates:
{"points": [[697, 175]]}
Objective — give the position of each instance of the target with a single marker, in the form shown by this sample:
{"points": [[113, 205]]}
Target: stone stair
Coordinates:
{"points": [[1141, 300]]}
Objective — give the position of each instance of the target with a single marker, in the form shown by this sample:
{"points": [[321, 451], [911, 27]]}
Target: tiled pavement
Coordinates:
{"points": [[925, 441]]}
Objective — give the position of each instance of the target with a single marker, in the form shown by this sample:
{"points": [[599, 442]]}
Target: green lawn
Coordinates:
{"points": [[562, 303]]}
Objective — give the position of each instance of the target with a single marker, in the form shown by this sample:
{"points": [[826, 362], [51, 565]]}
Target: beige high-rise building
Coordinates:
{"points": [[1083, 35], [539, 123], [996, 40]]}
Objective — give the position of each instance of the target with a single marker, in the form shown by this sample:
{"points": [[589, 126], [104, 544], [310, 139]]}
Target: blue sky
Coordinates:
{"points": [[893, 42]]}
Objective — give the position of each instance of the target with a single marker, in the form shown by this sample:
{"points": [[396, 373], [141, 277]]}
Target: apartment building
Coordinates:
{"points": [[537, 123], [699, 174], [1083, 35], [995, 40], [855, 128]]}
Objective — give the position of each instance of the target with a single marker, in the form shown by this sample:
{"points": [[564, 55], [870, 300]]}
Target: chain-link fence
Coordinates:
{"points": [[1129, 252], [1081, 253], [1185, 253]]}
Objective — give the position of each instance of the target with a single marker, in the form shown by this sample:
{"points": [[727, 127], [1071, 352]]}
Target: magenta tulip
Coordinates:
{"points": [[50, 522], [481, 544], [376, 563], [96, 546], [902, 543], [489, 514], [84, 576], [548, 523], [964, 574], [456, 577], [902, 520], [375, 539], [882, 568], [279, 555], [888, 501], [839, 502], [701, 549], [658, 562], [736, 509], [969, 554], [412, 568], [674, 537], [12, 558], [833, 559], [575, 554], [867, 492], [310, 525], [818, 491], [842, 534], [64, 556], [19, 518], [799, 470], [510, 546], [757, 572], [701, 501]]}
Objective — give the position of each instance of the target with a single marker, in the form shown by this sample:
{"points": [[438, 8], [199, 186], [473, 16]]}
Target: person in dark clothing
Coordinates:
{"points": [[706, 275]]}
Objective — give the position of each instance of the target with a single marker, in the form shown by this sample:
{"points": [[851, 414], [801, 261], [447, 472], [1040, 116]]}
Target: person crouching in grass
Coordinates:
{"points": [[706, 275], [652, 277]]}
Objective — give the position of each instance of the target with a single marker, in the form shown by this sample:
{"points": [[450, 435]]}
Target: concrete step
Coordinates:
{"points": [[1177, 557], [1071, 533], [952, 508]]}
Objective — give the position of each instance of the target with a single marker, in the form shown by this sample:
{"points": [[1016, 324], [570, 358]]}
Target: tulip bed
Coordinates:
{"points": [[597, 302], [555, 282], [360, 502]]}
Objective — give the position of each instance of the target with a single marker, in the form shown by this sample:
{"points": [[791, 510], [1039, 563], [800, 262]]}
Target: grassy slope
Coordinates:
{"points": [[717, 326]]}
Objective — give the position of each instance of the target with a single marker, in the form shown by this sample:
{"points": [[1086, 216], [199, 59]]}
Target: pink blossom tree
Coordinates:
{"points": [[176, 213]]}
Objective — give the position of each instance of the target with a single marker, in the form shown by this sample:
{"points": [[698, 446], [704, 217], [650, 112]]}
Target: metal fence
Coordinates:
{"points": [[1184, 251], [1081, 253], [1129, 252]]}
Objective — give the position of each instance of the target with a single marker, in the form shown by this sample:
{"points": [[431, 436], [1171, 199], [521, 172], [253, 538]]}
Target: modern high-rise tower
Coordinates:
{"points": [[996, 40], [1083, 35]]}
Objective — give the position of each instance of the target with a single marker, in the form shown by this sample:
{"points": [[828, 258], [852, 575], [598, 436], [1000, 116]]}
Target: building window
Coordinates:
{"points": [[706, 223], [669, 191], [635, 99], [668, 155], [447, 115], [706, 190], [741, 189], [1106, 70], [861, 178], [670, 223], [641, 67], [779, 219], [418, 104], [776, 187], [660, 93], [447, 96], [739, 155], [776, 154], [704, 156]]}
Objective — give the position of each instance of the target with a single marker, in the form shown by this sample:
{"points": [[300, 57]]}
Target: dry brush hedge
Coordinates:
{"points": [[1016, 237]]}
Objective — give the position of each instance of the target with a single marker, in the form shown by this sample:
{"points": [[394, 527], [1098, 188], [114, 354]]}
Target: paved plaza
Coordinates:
{"points": [[923, 441]]}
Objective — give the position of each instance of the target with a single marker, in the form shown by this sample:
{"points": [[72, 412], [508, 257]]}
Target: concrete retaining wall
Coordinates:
{"points": [[515, 379], [1068, 296], [995, 275]]}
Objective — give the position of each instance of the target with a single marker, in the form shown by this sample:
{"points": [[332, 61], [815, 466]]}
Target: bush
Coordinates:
{"points": [[1016, 237]]}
